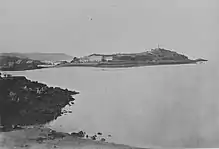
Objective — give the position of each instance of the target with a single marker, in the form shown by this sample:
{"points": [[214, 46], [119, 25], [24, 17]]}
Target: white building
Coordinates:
{"points": [[108, 57], [95, 57], [29, 62]]}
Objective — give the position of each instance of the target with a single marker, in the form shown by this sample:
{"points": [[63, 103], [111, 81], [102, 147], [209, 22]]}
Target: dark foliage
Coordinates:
{"points": [[23, 102], [8, 63]]}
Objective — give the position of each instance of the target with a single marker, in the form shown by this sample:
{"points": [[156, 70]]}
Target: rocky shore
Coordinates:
{"points": [[45, 138]]}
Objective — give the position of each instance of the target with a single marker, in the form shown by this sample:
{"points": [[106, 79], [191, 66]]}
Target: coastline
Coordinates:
{"points": [[46, 138], [127, 64], [26, 107], [40, 137]]}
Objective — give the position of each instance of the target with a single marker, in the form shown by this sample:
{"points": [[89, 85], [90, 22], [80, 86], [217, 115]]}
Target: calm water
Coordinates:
{"points": [[165, 106]]}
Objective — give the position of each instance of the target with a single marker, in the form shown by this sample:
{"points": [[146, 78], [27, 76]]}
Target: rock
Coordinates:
{"points": [[55, 135], [40, 139], [80, 134], [99, 133], [102, 139], [94, 137]]}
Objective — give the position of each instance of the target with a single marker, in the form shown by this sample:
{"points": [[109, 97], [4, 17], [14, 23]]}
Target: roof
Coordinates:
{"points": [[101, 55]]}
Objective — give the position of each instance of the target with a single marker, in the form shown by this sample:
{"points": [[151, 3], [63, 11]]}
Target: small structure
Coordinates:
{"points": [[60, 62], [4, 75], [57, 63], [10, 64], [95, 57], [18, 61], [75, 59], [48, 62], [108, 57], [29, 62], [84, 59]]}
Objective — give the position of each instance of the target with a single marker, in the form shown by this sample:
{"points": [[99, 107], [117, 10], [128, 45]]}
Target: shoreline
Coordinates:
{"points": [[40, 137], [46, 138], [114, 64], [26, 107], [127, 64]]}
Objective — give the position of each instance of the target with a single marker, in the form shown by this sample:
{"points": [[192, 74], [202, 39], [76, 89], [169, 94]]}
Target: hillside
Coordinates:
{"points": [[9, 63], [40, 56], [153, 55]]}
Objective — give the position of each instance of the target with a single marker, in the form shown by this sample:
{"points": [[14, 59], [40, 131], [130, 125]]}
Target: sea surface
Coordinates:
{"points": [[153, 106]]}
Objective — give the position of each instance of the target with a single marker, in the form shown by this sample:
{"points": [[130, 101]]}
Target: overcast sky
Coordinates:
{"points": [[187, 26]]}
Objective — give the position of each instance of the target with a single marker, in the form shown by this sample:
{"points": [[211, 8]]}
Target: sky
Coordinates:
{"points": [[82, 27]]}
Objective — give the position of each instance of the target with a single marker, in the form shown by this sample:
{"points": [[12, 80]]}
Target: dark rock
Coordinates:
{"points": [[40, 139], [94, 137], [99, 133], [79, 134], [55, 135], [102, 139]]}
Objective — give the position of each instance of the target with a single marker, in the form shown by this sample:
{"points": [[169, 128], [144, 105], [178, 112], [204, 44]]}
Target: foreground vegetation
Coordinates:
{"points": [[24, 102]]}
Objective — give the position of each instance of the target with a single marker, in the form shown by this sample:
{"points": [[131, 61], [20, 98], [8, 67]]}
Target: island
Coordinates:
{"points": [[157, 56]]}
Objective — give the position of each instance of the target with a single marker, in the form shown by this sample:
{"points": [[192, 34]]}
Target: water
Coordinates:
{"points": [[168, 106]]}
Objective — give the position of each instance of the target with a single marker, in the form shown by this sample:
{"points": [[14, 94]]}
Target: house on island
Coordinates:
{"points": [[29, 62], [95, 57], [60, 62], [107, 57], [84, 59], [100, 57]]}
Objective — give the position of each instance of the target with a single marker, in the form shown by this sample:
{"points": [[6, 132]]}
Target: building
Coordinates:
{"points": [[29, 62], [18, 61], [95, 57], [108, 57], [84, 59], [57, 63], [10, 64], [47, 62]]}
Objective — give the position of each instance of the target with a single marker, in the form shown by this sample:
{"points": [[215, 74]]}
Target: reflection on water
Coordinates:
{"points": [[145, 106]]}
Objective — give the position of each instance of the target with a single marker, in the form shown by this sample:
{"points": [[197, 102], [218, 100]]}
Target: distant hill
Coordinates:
{"points": [[157, 54], [40, 56], [13, 63]]}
